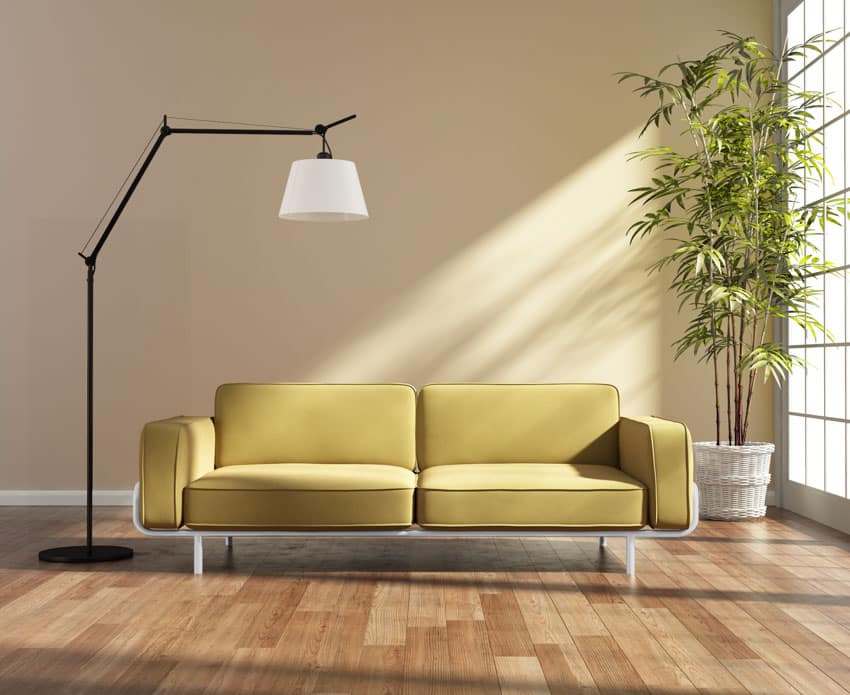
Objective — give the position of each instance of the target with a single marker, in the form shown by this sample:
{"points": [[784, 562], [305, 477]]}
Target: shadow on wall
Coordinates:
{"points": [[552, 293]]}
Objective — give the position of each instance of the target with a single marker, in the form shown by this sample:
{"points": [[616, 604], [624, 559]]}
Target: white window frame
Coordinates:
{"points": [[820, 505]]}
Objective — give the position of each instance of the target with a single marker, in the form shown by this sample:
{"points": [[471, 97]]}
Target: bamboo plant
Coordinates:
{"points": [[732, 202]]}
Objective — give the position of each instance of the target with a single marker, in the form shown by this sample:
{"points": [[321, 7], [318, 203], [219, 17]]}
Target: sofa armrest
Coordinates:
{"points": [[173, 453], [659, 454]]}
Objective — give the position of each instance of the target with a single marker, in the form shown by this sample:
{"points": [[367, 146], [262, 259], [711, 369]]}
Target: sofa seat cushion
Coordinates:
{"points": [[523, 495], [300, 496]]}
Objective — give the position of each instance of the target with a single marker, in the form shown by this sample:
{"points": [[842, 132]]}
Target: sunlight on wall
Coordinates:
{"points": [[552, 293]]}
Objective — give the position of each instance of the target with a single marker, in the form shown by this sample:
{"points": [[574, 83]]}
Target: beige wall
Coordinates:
{"points": [[491, 144]]}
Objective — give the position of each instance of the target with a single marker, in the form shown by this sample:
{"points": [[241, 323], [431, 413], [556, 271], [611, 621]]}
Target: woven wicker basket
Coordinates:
{"points": [[732, 480]]}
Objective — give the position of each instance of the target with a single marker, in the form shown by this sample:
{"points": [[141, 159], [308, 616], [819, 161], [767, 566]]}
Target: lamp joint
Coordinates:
{"points": [[90, 262]]}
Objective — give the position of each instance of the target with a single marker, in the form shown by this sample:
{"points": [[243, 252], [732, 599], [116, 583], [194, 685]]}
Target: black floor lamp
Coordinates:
{"points": [[323, 189]]}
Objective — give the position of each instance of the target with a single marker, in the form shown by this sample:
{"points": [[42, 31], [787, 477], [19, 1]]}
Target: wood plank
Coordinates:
{"points": [[637, 592], [565, 675], [274, 607], [819, 652], [426, 661], [15, 583], [596, 589], [296, 656], [759, 678], [427, 606], [700, 622], [611, 670], [321, 593], [701, 667], [652, 663], [357, 594], [505, 625], [542, 620], [461, 598], [490, 582], [380, 671], [385, 626], [521, 675], [820, 624], [32, 669], [339, 654], [473, 668], [104, 666], [388, 613], [572, 605], [242, 672]]}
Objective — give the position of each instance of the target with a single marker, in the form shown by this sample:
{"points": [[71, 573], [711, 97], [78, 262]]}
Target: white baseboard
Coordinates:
{"points": [[770, 498], [71, 498]]}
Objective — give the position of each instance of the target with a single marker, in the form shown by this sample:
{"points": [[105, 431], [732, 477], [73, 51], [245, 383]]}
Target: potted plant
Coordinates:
{"points": [[743, 238]]}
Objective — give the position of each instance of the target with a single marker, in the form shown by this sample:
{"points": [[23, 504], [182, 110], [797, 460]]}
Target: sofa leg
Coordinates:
{"points": [[603, 541], [630, 556], [199, 554], [228, 541]]}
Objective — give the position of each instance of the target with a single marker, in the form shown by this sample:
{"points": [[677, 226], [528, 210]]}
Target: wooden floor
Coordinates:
{"points": [[760, 607]]}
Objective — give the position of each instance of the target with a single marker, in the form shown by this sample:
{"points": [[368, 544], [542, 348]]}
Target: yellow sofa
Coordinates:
{"points": [[380, 459]]}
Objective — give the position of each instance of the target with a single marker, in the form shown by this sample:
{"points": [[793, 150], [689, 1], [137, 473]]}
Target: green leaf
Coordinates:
{"points": [[729, 200]]}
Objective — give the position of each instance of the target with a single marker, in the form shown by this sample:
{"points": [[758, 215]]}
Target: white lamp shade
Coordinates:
{"points": [[323, 190]]}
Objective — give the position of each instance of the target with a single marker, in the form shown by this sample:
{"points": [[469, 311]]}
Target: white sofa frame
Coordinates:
{"points": [[413, 532]]}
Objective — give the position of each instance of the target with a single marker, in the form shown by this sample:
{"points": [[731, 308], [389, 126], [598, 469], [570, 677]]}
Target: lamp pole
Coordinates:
{"points": [[101, 553]]}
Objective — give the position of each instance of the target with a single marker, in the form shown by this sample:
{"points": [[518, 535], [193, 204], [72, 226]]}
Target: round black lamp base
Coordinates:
{"points": [[82, 553]]}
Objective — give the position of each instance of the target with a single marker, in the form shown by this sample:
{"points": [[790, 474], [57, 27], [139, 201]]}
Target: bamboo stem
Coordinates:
{"points": [[750, 385], [728, 399]]}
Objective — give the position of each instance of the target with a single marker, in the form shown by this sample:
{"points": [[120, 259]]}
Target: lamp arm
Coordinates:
{"points": [[91, 259], [164, 132]]}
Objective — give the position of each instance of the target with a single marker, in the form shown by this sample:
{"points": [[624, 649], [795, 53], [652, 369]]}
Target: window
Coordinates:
{"points": [[816, 412]]}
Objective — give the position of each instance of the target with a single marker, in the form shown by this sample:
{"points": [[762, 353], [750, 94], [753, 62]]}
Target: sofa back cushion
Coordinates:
{"points": [[315, 423], [517, 423]]}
